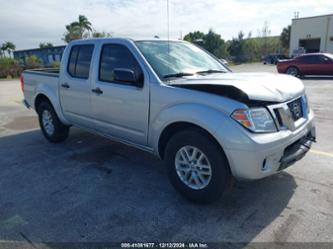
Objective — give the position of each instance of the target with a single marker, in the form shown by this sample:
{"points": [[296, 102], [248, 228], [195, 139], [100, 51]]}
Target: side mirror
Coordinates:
{"points": [[126, 75]]}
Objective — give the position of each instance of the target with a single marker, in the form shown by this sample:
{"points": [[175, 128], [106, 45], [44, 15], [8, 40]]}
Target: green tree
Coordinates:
{"points": [[236, 48], [265, 33], [72, 33], [78, 29], [251, 49], [84, 24], [213, 43], [196, 36], [45, 45], [97, 34], [285, 37], [8, 47]]}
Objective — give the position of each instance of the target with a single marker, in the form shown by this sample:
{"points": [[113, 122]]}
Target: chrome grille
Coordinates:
{"points": [[290, 115], [296, 109]]}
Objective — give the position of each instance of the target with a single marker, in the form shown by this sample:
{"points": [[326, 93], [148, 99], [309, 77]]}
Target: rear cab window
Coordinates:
{"points": [[80, 60]]}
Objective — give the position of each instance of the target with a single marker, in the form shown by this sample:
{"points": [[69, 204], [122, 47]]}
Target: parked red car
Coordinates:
{"points": [[308, 64]]}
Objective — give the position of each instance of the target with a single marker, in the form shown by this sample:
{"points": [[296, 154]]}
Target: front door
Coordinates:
{"points": [[327, 67], [312, 65], [120, 108]]}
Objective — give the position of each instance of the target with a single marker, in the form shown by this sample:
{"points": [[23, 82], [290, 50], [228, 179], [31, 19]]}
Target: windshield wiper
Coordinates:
{"points": [[210, 71], [177, 75], [182, 74]]}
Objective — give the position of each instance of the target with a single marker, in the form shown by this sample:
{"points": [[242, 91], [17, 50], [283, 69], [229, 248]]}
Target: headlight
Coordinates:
{"points": [[255, 119]]}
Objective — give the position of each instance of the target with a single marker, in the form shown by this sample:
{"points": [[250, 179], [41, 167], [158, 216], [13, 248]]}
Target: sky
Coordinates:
{"points": [[27, 23]]}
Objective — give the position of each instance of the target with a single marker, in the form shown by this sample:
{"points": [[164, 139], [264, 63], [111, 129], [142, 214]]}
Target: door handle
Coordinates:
{"points": [[97, 90], [65, 85]]}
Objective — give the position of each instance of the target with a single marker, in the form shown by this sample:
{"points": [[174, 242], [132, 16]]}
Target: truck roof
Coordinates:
{"points": [[120, 39]]}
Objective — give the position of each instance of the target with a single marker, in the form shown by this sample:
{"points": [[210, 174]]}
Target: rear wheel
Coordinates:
{"points": [[52, 128], [293, 71], [197, 166]]}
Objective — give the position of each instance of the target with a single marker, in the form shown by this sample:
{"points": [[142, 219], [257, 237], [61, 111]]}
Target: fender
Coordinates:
{"points": [[206, 117], [54, 99], [215, 122]]}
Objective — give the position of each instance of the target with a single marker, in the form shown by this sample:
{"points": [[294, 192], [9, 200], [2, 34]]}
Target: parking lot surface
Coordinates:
{"points": [[92, 189]]}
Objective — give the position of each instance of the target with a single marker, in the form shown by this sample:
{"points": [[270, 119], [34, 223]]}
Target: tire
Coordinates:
{"points": [[213, 186], [293, 71], [52, 128]]}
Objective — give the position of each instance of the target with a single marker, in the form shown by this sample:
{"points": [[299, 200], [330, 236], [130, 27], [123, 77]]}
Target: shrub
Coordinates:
{"points": [[55, 64], [9, 68], [33, 61]]}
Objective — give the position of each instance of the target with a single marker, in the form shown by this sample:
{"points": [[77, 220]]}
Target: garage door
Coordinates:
{"points": [[310, 45]]}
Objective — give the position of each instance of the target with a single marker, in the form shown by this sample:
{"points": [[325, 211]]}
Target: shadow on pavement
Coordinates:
{"points": [[92, 189]]}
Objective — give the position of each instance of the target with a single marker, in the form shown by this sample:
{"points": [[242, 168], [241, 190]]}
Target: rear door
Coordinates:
{"points": [[121, 108], [75, 86]]}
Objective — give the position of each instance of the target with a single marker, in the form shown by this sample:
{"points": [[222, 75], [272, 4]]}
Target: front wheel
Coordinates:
{"points": [[197, 166], [293, 71], [52, 128]]}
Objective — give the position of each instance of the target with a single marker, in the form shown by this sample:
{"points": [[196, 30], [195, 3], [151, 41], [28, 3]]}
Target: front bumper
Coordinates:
{"points": [[296, 151], [259, 158]]}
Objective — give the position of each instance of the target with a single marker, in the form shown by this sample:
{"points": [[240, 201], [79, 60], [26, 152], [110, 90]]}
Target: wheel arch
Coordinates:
{"points": [[176, 127], [39, 99], [42, 96]]}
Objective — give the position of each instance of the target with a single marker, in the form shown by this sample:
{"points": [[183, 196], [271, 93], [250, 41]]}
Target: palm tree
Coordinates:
{"points": [[9, 47], [3, 49], [75, 30], [84, 24]]}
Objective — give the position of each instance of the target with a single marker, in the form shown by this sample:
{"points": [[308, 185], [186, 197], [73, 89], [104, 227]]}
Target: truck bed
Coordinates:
{"points": [[53, 72], [40, 80]]}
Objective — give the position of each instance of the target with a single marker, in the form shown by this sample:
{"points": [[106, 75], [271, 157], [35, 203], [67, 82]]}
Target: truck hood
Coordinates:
{"points": [[245, 87]]}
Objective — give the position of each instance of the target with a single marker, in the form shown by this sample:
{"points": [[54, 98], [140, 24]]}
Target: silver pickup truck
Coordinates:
{"points": [[175, 100]]}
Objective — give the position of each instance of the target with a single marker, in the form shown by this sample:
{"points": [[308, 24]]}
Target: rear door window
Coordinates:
{"points": [[80, 60], [72, 60]]}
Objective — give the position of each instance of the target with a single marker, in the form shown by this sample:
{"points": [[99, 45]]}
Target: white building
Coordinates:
{"points": [[312, 34]]}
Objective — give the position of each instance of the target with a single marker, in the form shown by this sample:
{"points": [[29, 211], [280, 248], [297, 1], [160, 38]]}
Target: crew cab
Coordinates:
{"points": [[175, 100]]}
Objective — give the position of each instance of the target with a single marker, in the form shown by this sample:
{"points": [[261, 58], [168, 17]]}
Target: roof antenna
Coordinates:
{"points": [[168, 20], [168, 15]]}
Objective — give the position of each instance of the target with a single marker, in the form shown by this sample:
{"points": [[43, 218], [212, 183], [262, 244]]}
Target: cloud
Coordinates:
{"points": [[27, 23]]}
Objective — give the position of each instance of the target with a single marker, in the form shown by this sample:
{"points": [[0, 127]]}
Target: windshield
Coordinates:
{"points": [[329, 56], [178, 58]]}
